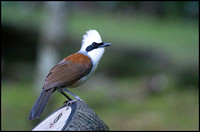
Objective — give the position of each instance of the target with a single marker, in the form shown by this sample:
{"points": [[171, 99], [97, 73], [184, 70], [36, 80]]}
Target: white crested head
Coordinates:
{"points": [[90, 37]]}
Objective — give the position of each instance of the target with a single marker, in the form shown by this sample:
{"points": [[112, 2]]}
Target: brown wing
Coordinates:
{"points": [[68, 71]]}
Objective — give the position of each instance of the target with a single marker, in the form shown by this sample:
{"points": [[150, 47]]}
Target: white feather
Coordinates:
{"points": [[88, 39], [95, 55]]}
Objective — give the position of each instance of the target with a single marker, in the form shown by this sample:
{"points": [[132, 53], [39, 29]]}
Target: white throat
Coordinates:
{"points": [[88, 39]]}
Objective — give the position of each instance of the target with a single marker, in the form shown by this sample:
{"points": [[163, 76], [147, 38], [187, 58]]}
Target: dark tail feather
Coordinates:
{"points": [[40, 104]]}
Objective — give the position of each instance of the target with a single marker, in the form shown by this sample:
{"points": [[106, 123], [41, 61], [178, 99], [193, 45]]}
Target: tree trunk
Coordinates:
{"points": [[77, 116]]}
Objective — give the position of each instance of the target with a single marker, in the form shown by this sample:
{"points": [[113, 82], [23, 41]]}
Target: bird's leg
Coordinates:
{"points": [[61, 91], [75, 96]]}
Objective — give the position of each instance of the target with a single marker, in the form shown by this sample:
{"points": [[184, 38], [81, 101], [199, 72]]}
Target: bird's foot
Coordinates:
{"points": [[65, 102], [69, 102]]}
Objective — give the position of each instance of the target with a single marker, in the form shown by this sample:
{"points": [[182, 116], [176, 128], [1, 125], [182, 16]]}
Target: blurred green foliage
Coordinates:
{"points": [[122, 107], [147, 79]]}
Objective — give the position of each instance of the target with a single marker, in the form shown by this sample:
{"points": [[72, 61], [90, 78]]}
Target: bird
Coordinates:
{"points": [[72, 71]]}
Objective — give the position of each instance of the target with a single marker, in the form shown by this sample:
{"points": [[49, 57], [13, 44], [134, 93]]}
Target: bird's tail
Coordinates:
{"points": [[40, 104]]}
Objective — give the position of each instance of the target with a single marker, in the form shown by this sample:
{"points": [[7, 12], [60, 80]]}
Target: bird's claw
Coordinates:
{"points": [[69, 102]]}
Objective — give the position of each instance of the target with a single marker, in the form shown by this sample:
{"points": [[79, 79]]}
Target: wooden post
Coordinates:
{"points": [[77, 116]]}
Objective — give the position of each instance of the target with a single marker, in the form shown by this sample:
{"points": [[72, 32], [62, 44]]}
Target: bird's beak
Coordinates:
{"points": [[106, 44]]}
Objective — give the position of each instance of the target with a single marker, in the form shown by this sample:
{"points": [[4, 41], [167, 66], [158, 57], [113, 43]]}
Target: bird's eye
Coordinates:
{"points": [[94, 44]]}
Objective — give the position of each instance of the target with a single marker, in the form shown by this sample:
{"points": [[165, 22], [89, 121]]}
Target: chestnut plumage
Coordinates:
{"points": [[68, 71]]}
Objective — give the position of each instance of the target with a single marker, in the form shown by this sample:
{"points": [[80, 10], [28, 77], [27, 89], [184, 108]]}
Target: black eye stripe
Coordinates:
{"points": [[99, 44], [89, 48], [94, 45]]}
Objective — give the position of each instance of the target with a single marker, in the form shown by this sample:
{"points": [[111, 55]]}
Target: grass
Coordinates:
{"points": [[16, 100], [120, 109]]}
